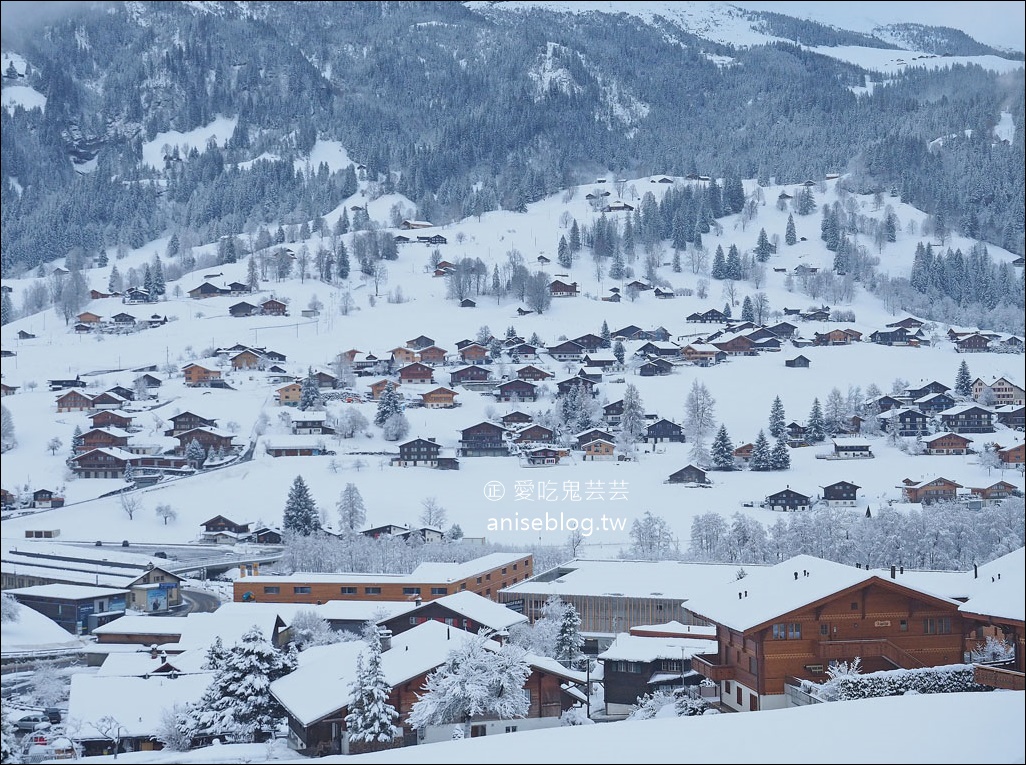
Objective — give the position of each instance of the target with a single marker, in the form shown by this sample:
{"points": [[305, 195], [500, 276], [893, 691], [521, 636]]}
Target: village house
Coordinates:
{"points": [[586, 436], [655, 367], [535, 434], [806, 612], [416, 373], [439, 398], [376, 389], [403, 355], [928, 490], [590, 343], [916, 392], [852, 448], [432, 355], [473, 353], [566, 351], [516, 418], [702, 354], [634, 666], [108, 399], [541, 456], [689, 474], [968, 418], [420, 342], [211, 439], [308, 423], [788, 500], [564, 386], [664, 431], [1005, 392], [419, 451], [198, 375], [289, 395], [101, 438], [743, 453], [44, 499], [599, 449], [472, 373], [736, 345], [840, 494], [221, 530], [560, 289], [111, 418], [272, 307], [999, 490], [904, 422], [185, 421], [516, 390], [933, 403], [247, 359], [798, 362], [1015, 455], [207, 290], [664, 350], [74, 401], [712, 316], [523, 351], [486, 439], [532, 373], [102, 463], [946, 443], [295, 446], [1011, 415]]}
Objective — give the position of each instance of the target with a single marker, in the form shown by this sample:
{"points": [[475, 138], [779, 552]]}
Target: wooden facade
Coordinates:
{"points": [[320, 588]]}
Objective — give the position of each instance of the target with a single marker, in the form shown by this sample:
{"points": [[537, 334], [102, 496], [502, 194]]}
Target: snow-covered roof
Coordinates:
{"points": [[67, 591], [673, 580], [198, 630], [674, 628], [1000, 588], [297, 415], [137, 704], [142, 662], [451, 572], [959, 409], [937, 436], [361, 610], [480, 609], [34, 631], [627, 647]]}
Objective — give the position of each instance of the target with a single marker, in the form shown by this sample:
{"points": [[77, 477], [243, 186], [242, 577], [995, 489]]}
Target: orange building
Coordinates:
{"points": [[484, 576]]}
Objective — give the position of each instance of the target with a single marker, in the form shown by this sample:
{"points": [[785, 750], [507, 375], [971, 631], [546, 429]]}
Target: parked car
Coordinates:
{"points": [[53, 714], [30, 721]]}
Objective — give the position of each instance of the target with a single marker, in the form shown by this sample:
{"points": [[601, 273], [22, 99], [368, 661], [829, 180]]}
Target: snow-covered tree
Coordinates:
{"points": [[389, 404], [352, 513], [300, 515], [815, 430], [310, 393], [396, 427], [10, 609], [780, 457], [569, 640], [238, 702], [309, 629], [747, 311], [350, 423], [761, 454], [9, 748], [477, 680], [722, 450], [195, 454], [632, 421], [790, 235], [777, 418], [7, 438], [605, 334], [619, 352], [432, 514], [370, 721], [835, 411], [964, 380], [652, 538]]}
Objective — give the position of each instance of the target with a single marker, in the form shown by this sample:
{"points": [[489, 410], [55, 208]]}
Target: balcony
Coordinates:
{"points": [[708, 665], [797, 695], [848, 649], [997, 677]]}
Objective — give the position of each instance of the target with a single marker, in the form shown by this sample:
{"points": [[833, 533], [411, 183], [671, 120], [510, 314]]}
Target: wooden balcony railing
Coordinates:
{"points": [[708, 665], [996, 677], [849, 649]]}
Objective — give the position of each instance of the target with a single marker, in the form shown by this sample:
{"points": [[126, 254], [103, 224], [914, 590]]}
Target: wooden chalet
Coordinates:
{"points": [[416, 373], [543, 456], [473, 353], [516, 390], [432, 355], [103, 463], [486, 439], [702, 354], [420, 342], [198, 375], [1004, 391], [689, 474], [946, 443], [473, 373], [592, 434], [999, 490], [289, 395], [274, 307], [664, 431], [975, 343], [376, 389], [207, 290], [904, 422], [535, 434], [439, 398], [806, 613], [840, 494], [968, 418], [418, 452], [788, 500], [564, 386], [185, 421], [930, 490], [599, 449], [516, 418], [798, 362], [532, 374], [590, 343], [566, 351], [560, 289], [74, 401], [655, 367], [712, 316]]}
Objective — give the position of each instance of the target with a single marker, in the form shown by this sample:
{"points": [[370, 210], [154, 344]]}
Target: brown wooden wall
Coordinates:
{"points": [[491, 581]]}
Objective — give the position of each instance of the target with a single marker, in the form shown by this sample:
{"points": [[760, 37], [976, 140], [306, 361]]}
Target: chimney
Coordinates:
{"points": [[385, 637], [739, 596], [153, 651], [901, 569], [418, 600], [796, 576], [976, 571], [894, 572], [746, 593], [858, 565], [448, 633]]}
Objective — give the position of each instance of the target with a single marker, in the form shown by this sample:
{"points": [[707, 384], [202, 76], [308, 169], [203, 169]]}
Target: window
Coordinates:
{"points": [[479, 580], [411, 590], [272, 590], [794, 631], [371, 590], [514, 566], [488, 577], [463, 586], [439, 590], [753, 665], [413, 620], [824, 629], [348, 590], [504, 571], [740, 696], [903, 625], [937, 625], [780, 632], [304, 590], [854, 606], [726, 686]]}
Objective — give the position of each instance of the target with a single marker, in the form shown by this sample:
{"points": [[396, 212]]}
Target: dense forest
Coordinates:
{"points": [[466, 110]]}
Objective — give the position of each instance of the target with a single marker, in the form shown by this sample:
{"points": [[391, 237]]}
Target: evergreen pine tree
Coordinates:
{"points": [[619, 352], [761, 455], [564, 256], [6, 309], [148, 279], [815, 430], [722, 450], [300, 516], [605, 335], [763, 248], [252, 275], [102, 259], [114, 283], [76, 440], [569, 640], [195, 454], [780, 458], [726, 310], [238, 701], [342, 260], [964, 380], [676, 262], [159, 285], [719, 264], [388, 405], [371, 718], [734, 270], [777, 418], [632, 421], [352, 513], [575, 238], [310, 392], [174, 247], [790, 235], [747, 311]]}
